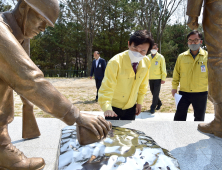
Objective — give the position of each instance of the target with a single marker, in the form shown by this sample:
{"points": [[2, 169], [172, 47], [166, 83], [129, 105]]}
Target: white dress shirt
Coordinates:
{"points": [[97, 61]]}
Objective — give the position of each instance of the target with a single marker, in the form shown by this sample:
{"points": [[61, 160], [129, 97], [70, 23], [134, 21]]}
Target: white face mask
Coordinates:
{"points": [[153, 51], [135, 57]]}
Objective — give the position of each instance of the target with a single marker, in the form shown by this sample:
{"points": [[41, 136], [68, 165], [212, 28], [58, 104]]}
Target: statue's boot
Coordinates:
{"points": [[13, 159], [214, 127]]}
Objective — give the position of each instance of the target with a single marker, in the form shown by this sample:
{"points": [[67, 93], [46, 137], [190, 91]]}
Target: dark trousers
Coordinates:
{"points": [[198, 101], [128, 114], [155, 90], [98, 84]]}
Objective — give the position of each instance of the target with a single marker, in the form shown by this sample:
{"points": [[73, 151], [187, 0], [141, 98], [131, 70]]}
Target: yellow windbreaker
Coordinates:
{"points": [[191, 74], [158, 67], [120, 87]]}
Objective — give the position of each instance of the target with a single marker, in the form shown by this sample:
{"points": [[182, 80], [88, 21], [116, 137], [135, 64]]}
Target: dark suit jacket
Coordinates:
{"points": [[99, 70]]}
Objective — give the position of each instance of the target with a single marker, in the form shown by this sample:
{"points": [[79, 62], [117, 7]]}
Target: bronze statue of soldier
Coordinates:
{"points": [[19, 73], [29, 127], [212, 25]]}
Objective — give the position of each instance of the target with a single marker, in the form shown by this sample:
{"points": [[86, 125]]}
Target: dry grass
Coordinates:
{"points": [[82, 92]]}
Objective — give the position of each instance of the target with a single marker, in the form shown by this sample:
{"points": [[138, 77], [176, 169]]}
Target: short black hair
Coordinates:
{"points": [[156, 45], [142, 37], [194, 33]]}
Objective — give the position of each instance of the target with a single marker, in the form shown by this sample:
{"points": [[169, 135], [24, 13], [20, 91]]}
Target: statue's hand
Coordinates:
{"points": [[97, 124], [193, 23]]}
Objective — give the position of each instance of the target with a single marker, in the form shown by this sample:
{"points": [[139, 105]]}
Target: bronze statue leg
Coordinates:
{"points": [[10, 157], [4, 136], [213, 35], [29, 125]]}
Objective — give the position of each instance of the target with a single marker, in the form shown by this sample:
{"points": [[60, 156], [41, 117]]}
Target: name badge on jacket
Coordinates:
{"points": [[156, 63], [203, 68], [99, 65]]}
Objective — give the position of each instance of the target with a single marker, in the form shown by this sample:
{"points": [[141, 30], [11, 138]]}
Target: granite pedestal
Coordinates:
{"points": [[45, 146], [193, 150]]}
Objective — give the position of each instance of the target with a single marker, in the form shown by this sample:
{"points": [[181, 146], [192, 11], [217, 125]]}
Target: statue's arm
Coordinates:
{"points": [[194, 7], [193, 11], [23, 76]]}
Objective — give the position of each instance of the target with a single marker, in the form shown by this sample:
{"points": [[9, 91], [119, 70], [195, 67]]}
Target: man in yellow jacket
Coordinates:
{"points": [[126, 79], [157, 76], [192, 74]]}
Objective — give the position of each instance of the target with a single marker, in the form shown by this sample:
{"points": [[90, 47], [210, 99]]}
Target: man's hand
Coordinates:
{"points": [[97, 124], [193, 23], [162, 82], [90, 77], [174, 91], [138, 109], [110, 113]]}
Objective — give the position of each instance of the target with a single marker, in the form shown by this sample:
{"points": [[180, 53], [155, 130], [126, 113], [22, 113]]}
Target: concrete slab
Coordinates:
{"points": [[46, 146], [181, 138]]}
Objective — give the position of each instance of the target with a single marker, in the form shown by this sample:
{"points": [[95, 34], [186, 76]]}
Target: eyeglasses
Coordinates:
{"points": [[143, 52], [195, 40]]}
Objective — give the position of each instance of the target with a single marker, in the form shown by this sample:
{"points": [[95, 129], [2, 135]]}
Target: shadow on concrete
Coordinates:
{"points": [[22, 140], [205, 154], [208, 134], [18, 141]]}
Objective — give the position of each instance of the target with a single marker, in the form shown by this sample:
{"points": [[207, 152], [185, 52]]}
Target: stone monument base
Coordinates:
{"points": [[192, 149], [45, 146]]}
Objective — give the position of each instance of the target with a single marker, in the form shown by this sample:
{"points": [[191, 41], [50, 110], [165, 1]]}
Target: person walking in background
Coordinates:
{"points": [[191, 73], [157, 76], [98, 69], [126, 79]]}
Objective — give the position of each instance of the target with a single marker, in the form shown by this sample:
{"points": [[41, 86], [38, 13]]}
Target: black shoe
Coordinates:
{"points": [[152, 111], [158, 107], [96, 100]]}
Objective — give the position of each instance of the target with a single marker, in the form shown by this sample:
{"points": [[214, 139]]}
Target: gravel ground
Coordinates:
{"points": [[82, 92]]}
